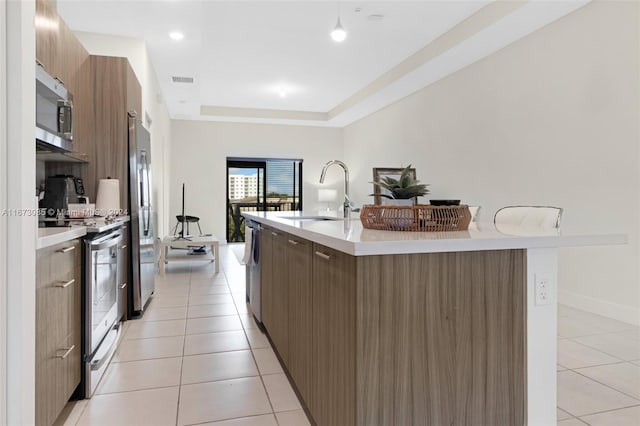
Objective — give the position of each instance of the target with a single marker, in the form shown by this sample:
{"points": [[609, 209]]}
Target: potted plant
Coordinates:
{"points": [[402, 190]]}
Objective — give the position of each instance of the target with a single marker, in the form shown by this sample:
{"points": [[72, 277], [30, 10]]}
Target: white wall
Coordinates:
{"points": [[3, 219], [20, 239], [200, 149], [551, 119], [153, 105]]}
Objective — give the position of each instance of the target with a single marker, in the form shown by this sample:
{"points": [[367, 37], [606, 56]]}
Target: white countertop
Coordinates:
{"points": [[51, 236], [54, 235], [349, 236]]}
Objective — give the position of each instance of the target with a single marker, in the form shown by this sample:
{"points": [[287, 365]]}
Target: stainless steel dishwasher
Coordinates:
{"points": [[253, 270]]}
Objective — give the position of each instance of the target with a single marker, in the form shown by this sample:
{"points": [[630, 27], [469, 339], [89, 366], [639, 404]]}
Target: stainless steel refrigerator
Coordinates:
{"points": [[143, 218]]}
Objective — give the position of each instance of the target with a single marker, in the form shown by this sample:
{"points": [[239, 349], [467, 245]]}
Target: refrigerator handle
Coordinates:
{"points": [[145, 194]]}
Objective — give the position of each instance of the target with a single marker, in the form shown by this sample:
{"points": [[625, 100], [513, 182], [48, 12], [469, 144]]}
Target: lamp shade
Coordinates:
{"points": [[327, 195]]}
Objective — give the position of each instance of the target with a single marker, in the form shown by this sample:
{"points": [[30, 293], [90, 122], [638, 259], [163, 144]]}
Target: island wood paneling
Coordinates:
{"points": [[279, 330], [441, 339], [333, 394], [299, 262], [266, 277]]}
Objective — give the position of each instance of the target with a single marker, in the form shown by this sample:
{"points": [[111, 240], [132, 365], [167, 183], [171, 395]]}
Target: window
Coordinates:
{"points": [[260, 184]]}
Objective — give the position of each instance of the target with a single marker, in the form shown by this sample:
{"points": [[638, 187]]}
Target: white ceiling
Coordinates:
{"points": [[242, 54]]}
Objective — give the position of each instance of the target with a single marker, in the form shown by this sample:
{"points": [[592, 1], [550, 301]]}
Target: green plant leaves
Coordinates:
{"points": [[404, 187]]}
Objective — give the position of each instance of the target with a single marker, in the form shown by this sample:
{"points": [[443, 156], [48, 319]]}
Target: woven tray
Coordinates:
{"points": [[416, 218]]}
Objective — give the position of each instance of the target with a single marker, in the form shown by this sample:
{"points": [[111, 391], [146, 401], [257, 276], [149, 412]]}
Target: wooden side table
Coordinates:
{"points": [[170, 241]]}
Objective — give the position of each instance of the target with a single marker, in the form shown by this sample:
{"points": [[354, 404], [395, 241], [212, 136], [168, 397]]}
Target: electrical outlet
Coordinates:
{"points": [[543, 290]]}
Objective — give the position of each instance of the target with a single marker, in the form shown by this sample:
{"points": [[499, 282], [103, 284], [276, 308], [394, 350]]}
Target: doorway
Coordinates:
{"points": [[260, 184]]}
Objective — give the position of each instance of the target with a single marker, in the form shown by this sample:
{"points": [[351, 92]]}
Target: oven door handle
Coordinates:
{"points": [[103, 244], [106, 349]]}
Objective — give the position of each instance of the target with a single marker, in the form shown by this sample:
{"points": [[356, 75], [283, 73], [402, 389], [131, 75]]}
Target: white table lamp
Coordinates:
{"points": [[327, 195]]}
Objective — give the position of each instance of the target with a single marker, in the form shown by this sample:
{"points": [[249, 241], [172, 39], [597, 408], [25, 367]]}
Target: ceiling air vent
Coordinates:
{"points": [[182, 79]]}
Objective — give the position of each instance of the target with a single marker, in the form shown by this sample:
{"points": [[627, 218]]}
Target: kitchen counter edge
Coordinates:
{"points": [[48, 237], [359, 241]]}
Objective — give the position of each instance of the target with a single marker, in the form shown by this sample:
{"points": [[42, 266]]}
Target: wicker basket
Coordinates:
{"points": [[416, 218]]}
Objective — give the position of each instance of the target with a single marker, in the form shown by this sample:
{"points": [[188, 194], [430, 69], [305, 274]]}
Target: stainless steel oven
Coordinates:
{"points": [[101, 326]]}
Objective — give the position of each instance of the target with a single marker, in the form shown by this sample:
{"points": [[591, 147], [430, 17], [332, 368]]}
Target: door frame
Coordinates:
{"points": [[246, 163], [3, 219], [20, 225]]}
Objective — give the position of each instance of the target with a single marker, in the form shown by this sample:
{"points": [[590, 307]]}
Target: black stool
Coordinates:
{"points": [[188, 219]]}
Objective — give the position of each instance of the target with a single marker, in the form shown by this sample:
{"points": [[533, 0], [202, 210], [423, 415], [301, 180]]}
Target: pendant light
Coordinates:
{"points": [[338, 34]]}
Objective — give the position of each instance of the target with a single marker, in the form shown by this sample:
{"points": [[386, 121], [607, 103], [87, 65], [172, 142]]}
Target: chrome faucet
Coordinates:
{"points": [[347, 202]]}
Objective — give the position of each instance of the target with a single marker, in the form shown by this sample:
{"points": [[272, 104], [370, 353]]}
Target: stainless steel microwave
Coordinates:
{"points": [[54, 113]]}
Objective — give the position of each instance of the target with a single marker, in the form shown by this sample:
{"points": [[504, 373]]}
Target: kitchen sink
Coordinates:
{"points": [[310, 218]]}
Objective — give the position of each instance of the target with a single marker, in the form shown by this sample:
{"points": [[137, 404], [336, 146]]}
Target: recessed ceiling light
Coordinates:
{"points": [[376, 17], [176, 35], [282, 92]]}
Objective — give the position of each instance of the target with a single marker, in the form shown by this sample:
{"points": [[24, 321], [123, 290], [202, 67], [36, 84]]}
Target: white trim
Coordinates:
{"points": [[3, 221], [542, 331], [21, 230], [624, 313]]}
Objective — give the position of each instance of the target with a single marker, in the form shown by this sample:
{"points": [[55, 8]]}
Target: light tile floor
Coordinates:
{"points": [[598, 370], [197, 357]]}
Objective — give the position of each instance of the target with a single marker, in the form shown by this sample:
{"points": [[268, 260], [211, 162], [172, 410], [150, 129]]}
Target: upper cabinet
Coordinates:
{"points": [[116, 92], [64, 58], [47, 25]]}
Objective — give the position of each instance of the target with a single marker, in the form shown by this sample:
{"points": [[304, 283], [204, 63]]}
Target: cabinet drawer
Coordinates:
{"points": [[57, 375], [57, 264]]}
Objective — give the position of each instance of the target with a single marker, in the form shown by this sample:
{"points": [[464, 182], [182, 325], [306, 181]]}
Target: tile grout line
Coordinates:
{"points": [[602, 412], [608, 386], [253, 355], [184, 342], [597, 350]]}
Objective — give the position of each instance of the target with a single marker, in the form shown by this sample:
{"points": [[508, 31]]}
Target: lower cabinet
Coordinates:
{"points": [[266, 277], [58, 328], [280, 295], [333, 393], [299, 289]]}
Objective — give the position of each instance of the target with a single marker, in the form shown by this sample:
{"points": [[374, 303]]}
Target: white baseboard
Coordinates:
{"points": [[624, 313]]}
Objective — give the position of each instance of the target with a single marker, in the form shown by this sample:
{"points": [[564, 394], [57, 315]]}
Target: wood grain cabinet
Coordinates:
{"points": [[47, 24], [298, 265], [280, 295], [333, 394], [266, 276], [286, 298], [411, 339], [58, 328], [116, 92]]}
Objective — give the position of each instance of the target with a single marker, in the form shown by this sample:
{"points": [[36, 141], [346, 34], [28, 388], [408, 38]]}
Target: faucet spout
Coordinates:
{"points": [[347, 201]]}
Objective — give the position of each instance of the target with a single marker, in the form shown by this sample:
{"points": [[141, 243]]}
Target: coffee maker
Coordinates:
{"points": [[59, 192]]}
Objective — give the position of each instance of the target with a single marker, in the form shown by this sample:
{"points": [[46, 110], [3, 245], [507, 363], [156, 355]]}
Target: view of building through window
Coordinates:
{"points": [[260, 185]]}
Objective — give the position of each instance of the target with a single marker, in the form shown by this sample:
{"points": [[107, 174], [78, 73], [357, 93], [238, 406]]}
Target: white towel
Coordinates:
{"points": [[248, 246]]}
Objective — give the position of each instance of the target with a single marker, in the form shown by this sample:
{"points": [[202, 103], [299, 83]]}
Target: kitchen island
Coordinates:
{"points": [[380, 327]]}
